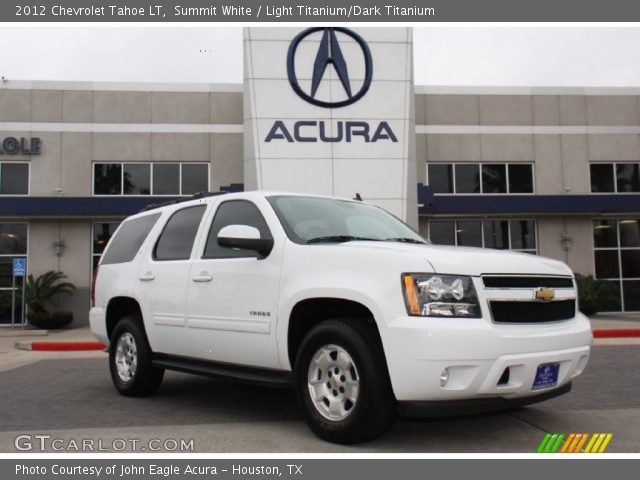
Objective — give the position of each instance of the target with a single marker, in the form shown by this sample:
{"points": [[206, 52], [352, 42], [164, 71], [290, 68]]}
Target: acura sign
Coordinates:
{"points": [[330, 55]]}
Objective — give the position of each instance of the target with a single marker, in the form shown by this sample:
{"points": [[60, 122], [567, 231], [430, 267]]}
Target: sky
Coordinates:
{"points": [[444, 55]]}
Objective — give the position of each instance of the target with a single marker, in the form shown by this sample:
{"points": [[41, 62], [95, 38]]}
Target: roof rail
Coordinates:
{"points": [[195, 196]]}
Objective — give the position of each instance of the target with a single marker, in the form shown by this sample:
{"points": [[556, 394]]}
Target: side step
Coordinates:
{"points": [[252, 375]]}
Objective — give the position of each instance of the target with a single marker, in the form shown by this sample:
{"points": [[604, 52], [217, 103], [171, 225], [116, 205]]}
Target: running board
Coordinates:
{"points": [[252, 375]]}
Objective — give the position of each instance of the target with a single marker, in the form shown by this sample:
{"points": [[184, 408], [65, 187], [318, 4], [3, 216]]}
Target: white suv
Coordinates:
{"points": [[338, 299]]}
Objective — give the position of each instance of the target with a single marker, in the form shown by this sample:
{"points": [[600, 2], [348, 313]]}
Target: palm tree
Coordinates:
{"points": [[43, 290]]}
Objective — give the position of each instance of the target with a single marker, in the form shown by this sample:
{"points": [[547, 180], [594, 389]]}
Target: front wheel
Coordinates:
{"points": [[132, 371], [342, 383]]}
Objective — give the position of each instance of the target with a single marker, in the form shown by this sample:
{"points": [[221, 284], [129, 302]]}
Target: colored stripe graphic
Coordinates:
{"points": [[574, 443]]}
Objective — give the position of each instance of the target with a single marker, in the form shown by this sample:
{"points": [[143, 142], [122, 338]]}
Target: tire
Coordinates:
{"points": [[132, 372], [332, 356]]}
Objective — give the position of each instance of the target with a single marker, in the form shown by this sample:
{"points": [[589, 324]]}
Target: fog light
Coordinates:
{"points": [[444, 377]]}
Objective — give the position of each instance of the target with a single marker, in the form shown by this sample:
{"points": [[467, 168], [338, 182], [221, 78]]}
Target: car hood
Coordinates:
{"points": [[467, 260]]}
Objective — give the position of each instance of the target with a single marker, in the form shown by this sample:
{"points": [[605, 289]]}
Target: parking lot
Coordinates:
{"points": [[70, 397]]}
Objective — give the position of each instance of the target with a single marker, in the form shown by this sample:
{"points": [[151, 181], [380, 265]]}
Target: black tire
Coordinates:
{"points": [[145, 378], [374, 411]]}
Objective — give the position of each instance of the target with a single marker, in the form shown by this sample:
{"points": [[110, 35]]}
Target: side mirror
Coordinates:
{"points": [[244, 237]]}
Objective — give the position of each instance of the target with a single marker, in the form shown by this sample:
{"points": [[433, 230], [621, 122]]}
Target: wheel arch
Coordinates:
{"points": [[309, 312], [120, 307]]}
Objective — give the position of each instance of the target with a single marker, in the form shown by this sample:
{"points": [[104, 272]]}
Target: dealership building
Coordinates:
{"points": [[546, 171]]}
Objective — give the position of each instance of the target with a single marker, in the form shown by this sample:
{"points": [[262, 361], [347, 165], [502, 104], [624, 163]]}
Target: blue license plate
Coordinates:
{"points": [[546, 376]]}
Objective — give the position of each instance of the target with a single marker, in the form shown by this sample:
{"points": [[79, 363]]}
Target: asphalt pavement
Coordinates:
{"points": [[69, 397]]}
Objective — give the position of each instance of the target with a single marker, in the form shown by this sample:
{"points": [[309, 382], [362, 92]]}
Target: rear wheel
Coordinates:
{"points": [[132, 371], [342, 383]]}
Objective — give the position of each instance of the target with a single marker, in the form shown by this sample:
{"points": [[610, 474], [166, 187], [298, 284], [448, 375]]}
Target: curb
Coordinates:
{"points": [[59, 346], [27, 332], [617, 333]]}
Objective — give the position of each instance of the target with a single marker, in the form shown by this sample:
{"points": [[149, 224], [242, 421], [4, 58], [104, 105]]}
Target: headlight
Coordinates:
{"points": [[431, 295]]}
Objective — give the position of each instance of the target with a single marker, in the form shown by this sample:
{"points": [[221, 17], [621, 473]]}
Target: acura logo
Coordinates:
{"points": [[329, 53]]}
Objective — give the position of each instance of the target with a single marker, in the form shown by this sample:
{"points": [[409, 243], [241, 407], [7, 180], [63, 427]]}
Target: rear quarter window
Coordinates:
{"points": [[125, 244]]}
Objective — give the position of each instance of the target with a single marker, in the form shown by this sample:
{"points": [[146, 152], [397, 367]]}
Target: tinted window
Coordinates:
{"points": [[605, 233], [102, 233], [194, 179], [441, 178], [442, 233], [520, 178], [496, 234], [13, 238], [468, 178], [107, 178], [607, 264], [631, 295], [523, 235], [128, 240], [14, 178], [469, 234], [137, 179], [234, 212], [166, 179], [602, 177], [630, 233], [176, 240], [628, 177], [630, 260], [494, 178]]}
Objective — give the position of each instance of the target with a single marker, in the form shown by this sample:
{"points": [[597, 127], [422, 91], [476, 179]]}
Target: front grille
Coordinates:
{"points": [[527, 282], [532, 312]]}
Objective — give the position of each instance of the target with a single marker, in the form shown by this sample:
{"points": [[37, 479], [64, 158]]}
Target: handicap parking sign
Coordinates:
{"points": [[19, 267]]}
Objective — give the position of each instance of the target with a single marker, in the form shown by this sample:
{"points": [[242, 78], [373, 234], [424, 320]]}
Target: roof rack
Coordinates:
{"points": [[195, 196]]}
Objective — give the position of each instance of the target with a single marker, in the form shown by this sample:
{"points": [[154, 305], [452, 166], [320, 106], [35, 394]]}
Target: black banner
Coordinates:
{"points": [[315, 469], [251, 11]]}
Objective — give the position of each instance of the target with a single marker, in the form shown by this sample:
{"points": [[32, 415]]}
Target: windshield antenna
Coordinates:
{"points": [[358, 197]]}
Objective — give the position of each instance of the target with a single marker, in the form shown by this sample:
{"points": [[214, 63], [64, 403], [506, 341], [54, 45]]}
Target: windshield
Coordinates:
{"points": [[317, 220]]}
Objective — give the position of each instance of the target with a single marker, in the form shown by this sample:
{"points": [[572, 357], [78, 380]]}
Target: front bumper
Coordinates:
{"points": [[473, 406], [476, 353]]}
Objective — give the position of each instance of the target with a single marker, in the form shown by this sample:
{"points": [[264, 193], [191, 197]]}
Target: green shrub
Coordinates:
{"points": [[594, 295]]}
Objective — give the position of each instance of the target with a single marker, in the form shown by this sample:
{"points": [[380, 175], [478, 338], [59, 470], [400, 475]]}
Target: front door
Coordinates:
{"points": [[233, 295]]}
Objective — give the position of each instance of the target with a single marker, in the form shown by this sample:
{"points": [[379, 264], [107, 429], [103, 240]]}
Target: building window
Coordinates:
{"points": [[13, 244], [480, 178], [14, 178], [615, 177], [617, 260], [102, 233], [517, 235], [173, 179]]}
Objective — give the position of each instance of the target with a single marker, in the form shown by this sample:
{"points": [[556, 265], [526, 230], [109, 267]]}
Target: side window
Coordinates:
{"points": [[176, 240], [128, 239], [234, 212]]}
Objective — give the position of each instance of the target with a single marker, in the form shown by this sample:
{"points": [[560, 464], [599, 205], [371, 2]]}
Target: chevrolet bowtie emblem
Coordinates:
{"points": [[545, 294]]}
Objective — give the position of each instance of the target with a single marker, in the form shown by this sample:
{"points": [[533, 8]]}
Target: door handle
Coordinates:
{"points": [[147, 277], [202, 277]]}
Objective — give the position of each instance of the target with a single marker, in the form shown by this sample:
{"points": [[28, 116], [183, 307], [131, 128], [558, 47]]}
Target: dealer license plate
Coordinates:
{"points": [[546, 376]]}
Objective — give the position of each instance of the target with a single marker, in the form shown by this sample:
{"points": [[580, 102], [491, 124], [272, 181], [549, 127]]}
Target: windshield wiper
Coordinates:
{"points": [[404, 240], [339, 239]]}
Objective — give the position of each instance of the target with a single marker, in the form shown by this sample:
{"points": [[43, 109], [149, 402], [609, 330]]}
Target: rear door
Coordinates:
{"points": [[233, 294], [163, 279]]}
